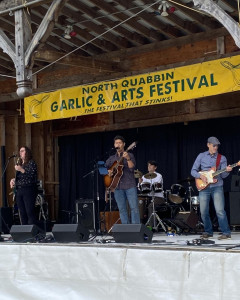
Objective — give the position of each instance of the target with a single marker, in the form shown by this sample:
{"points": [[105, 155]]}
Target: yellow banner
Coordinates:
{"points": [[179, 84]]}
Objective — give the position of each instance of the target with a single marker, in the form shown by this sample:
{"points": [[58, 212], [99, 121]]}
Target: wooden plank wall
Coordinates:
{"points": [[15, 134]]}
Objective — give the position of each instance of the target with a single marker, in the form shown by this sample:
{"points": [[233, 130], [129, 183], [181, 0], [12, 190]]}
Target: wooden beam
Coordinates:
{"points": [[212, 34], [93, 13], [75, 60], [151, 122], [138, 27], [219, 14], [9, 97], [7, 46], [44, 29], [8, 5]]}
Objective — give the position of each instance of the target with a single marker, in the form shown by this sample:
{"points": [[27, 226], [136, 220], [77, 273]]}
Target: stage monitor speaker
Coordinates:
{"points": [[25, 233], [85, 212], [131, 233], [6, 219], [234, 203], [186, 220], [67, 233], [235, 183]]}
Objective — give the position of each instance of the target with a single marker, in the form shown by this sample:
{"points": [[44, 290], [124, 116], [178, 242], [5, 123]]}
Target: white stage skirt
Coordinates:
{"points": [[102, 272]]}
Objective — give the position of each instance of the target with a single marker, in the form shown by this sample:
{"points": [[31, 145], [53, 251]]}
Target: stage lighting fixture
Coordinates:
{"points": [[69, 32]]}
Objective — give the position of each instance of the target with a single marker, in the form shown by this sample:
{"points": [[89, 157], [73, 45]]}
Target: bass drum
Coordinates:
{"points": [[177, 194]]}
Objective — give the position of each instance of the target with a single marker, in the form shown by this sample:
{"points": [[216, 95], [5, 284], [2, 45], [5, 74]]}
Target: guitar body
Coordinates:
{"points": [[111, 182], [209, 174]]}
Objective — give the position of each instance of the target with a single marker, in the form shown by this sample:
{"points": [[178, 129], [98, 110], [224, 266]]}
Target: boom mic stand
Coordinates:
{"points": [[98, 166]]}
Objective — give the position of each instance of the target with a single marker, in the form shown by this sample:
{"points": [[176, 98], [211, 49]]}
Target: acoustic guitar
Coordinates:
{"points": [[111, 182], [210, 174]]}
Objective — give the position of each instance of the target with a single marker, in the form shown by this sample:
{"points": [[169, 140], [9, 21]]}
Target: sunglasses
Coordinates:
{"points": [[215, 146]]}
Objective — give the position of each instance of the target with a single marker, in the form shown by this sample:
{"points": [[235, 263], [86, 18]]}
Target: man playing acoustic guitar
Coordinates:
{"points": [[121, 166], [209, 187]]}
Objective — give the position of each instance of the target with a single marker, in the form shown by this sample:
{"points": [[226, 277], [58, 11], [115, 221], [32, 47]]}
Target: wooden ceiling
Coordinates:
{"points": [[106, 26]]}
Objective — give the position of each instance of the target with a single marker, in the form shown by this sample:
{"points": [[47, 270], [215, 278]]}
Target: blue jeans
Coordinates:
{"points": [[219, 203], [121, 197]]}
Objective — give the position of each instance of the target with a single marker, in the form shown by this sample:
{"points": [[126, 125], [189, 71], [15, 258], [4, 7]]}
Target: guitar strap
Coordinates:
{"points": [[218, 160]]}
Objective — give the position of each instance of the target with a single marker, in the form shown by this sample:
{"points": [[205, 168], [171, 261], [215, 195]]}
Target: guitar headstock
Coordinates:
{"points": [[133, 145]]}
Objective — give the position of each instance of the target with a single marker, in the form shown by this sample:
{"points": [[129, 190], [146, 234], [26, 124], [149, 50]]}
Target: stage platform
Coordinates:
{"points": [[169, 268]]}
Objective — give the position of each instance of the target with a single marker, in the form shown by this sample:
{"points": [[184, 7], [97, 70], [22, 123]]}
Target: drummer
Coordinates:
{"points": [[156, 181]]}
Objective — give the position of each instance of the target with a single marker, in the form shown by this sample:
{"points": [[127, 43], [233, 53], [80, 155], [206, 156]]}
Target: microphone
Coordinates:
{"points": [[14, 155], [116, 148]]}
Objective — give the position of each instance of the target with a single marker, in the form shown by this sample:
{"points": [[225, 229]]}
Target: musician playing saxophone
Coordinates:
{"points": [[204, 162], [126, 188]]}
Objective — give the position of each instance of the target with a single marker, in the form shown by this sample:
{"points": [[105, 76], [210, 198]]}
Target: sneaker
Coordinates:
{"points": [[224, 237], [206, 235]]}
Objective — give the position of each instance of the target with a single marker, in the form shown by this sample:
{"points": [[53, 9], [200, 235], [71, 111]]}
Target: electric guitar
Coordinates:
{"points": [[210, 176], [111, 182]]}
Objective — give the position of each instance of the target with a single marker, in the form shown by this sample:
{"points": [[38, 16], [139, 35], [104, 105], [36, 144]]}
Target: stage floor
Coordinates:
{"points": [[185, 241]]}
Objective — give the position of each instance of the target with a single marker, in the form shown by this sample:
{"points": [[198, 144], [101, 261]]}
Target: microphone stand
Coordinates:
{"points": [[92, 172]]}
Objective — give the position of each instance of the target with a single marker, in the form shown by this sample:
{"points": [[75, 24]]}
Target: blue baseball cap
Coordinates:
{"points": [[213, 140]]}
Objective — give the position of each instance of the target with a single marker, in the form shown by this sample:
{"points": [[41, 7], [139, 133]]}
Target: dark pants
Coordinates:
{"points": [[26, 198]]}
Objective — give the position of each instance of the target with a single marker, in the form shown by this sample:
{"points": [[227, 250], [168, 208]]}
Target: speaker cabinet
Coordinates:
{"points": [[186, 220], [6, 219], [234, 203], [132, 233], [67, 233], [25, 233], [108, 218], [235, 183], [85, 213]]}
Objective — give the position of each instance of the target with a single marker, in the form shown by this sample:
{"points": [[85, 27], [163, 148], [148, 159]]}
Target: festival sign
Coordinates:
{"points": [[172, 85]]}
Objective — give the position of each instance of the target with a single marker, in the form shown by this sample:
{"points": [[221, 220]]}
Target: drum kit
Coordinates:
{"points": [[177, 199]]}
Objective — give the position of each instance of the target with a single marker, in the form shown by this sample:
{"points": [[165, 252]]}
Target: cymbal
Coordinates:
{"points": [[150, 175], [137, 174], [188, 179]]}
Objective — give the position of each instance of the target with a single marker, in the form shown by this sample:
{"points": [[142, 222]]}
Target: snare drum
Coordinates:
{"points": [[177, 193], [195, 200], [145, 187], [157, 187]]}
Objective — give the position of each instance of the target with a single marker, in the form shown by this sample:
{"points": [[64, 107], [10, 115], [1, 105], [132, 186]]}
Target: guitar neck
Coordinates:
{"points": [[223, 170]]}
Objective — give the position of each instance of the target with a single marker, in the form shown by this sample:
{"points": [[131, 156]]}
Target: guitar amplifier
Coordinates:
{"points": [[85, 213]]}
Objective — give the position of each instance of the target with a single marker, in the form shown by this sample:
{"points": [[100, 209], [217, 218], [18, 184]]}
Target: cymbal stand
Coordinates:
{"points": [[190, 189], [155, 216]]}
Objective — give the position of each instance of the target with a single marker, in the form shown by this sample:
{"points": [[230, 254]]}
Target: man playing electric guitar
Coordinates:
{"points": [[125, 189], [204, 162]]}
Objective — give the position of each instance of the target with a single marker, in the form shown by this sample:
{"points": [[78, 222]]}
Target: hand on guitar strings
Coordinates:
{"points": [[204, 178]]}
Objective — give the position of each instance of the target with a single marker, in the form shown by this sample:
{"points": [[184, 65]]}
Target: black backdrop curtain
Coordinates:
{"points": [[173, 146]]}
